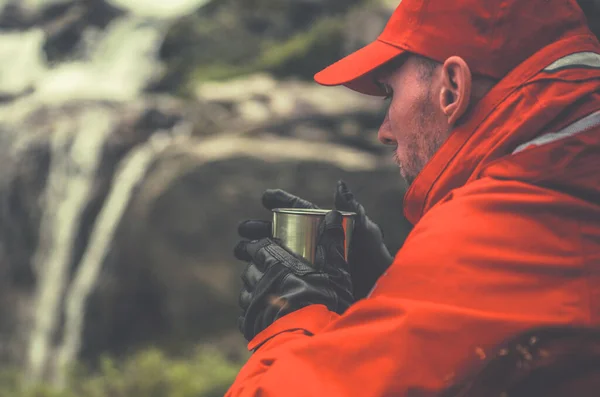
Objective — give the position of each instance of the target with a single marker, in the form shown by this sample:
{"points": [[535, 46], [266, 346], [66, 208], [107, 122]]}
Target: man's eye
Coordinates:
{"points": [[389, 93]]}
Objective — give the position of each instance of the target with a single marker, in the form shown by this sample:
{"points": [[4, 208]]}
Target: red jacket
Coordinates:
{"points": [[506, 238]]}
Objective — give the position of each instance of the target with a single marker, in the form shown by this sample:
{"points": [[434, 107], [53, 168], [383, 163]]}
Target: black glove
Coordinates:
{"points": [[277, 282], [368, 258]]}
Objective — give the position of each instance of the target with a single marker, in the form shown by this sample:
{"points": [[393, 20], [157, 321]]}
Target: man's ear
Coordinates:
{"points": [[455, 94]]}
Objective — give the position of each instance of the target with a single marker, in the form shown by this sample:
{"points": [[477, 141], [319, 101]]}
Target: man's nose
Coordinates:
{"points": [[385, 135]]}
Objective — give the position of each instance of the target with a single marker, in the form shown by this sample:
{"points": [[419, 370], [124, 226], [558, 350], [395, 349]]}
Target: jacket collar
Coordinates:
{"points": [[506, 117]]}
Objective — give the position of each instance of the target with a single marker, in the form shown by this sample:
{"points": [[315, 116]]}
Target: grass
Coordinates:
{"points": [[150, 373]]}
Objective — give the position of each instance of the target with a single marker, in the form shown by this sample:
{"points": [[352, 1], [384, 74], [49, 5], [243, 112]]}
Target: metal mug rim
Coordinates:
{"points": [[310, 211]]}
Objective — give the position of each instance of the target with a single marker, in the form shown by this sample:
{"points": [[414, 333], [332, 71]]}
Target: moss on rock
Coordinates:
{"points": [[301, 55], [236, 38]]}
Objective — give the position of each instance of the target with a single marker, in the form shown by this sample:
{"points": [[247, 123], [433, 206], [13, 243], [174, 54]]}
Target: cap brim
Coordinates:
{"points": [[354, 70]]}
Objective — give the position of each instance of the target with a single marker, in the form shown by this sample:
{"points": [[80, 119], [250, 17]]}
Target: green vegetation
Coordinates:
{"points": [[146, 374], [302, 54], [235, 38]]}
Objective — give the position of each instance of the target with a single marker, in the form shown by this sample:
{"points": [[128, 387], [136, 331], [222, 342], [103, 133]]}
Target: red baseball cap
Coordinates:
{"points": [[493, 36]]}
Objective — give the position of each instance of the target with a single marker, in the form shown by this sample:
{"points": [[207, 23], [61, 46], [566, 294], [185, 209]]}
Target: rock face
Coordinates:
{"points": [[153, 202]]}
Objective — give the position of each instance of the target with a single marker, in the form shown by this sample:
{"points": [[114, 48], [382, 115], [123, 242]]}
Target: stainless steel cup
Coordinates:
{"points": [[298, 229]]}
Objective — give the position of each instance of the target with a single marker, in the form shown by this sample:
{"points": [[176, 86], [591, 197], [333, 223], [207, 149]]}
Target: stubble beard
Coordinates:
{"points": [[422, 145]]}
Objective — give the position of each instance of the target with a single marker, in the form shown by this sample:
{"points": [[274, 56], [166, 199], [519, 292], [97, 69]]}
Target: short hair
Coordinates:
{"points": [[427, 66], [481, 84]]}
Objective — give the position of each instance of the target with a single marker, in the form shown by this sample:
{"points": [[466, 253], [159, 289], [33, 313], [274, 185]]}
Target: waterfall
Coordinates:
{"points": [[27, 62], [122, 62], [114, 65], [131, 172], [70, 182], [160, 8]]}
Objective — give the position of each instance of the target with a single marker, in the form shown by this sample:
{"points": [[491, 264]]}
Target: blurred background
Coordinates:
{"points": [[134, 136]]}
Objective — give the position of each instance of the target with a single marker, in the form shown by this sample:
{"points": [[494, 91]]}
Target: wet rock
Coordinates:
{"points": [[259, 104], [180, 230]]}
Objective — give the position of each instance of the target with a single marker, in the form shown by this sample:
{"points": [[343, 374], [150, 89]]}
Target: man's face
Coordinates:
{"points": [[415, 124]]}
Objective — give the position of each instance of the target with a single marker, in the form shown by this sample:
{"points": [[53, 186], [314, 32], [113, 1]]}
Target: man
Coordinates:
{"points": [[495, 113]]}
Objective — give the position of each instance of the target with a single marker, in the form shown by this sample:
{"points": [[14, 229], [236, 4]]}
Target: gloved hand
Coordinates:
{"points": [[368, 258], [277, 282]]}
